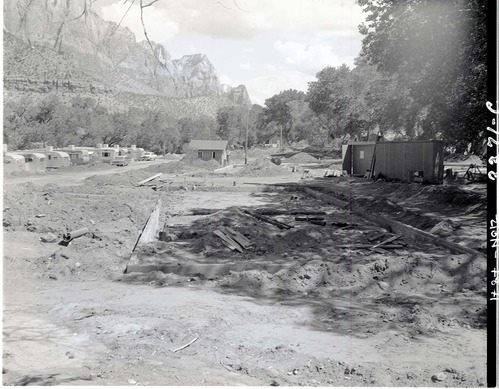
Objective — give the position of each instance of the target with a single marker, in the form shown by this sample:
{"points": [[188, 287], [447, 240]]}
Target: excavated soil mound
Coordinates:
{"points": [[131, 177], [262, 167], [302, 158]]}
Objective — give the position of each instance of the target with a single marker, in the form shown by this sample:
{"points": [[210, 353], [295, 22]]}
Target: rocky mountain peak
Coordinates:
{"points": [[109, 54]]}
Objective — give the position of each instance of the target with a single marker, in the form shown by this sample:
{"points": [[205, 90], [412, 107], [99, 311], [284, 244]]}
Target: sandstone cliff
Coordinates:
{"points": [[54, 45]]}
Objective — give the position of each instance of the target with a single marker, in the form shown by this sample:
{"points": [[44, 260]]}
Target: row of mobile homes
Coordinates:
{"points": [[408, 161]]}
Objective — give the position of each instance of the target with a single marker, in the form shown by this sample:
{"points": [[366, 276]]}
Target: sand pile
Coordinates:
{"points": [[262, 167], [302, 158]]}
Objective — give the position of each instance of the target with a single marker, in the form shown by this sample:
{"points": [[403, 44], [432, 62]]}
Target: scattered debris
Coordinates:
{"points": [[49, 238], [228, 241], [282, 226], [438, 377], [69, 236], [385, 242], [186, 345], [149, 179]]}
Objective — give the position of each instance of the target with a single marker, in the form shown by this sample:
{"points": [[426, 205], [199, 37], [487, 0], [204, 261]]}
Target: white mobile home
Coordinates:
{"points": [[77, 156], [35, 162], [13, 163]]}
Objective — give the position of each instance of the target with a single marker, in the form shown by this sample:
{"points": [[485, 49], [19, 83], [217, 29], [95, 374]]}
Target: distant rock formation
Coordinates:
{"points": [[238, 95], [100, 51]]}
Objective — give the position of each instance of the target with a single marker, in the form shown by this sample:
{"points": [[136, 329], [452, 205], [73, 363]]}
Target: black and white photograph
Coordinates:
{"points": [[250, 193]]}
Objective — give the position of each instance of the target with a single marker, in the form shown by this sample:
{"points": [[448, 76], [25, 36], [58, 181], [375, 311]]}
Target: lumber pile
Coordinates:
{"points": [[232, 239]]}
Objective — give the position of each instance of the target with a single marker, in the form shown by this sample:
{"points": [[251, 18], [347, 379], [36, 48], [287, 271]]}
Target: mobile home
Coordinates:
{"points": [[13, 163]]}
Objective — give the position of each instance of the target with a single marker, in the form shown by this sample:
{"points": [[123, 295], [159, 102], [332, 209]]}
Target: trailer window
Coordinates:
{"points": [[200, 154], [361, 156], [213, 154]]}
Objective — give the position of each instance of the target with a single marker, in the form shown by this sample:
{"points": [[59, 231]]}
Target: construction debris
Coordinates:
{"points": [[149, 179], [69, 236], [186, 345], [228, 241], [282, 226], [385, 242]]}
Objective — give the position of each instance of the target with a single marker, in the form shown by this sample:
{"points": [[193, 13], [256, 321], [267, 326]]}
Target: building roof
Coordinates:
{"points": [[208, 144], [15, 157]]}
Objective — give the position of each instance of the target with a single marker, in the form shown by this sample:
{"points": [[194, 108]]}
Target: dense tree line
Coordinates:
{"points": [[84, 122]]}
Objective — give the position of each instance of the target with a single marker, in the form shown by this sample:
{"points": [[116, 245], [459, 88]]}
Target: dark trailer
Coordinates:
{"points": [[403, 160]]}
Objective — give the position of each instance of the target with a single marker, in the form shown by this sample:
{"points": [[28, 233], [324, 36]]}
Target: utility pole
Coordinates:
{"points": [[280, 127], [246, 140]]}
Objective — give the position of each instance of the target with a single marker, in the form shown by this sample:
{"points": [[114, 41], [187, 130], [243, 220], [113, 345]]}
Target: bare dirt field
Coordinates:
{"points": [[310, 304]]}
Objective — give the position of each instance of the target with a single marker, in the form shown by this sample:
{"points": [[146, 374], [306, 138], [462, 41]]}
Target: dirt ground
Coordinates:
{"points": [[318, 315]]}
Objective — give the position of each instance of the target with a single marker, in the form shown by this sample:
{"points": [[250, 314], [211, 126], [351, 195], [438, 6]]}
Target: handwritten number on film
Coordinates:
{"points": [[492, 141]]}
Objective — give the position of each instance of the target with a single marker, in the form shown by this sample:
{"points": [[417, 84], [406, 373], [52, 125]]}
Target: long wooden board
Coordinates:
{"points": [[238, 237], [233, 244], [149, 179]]}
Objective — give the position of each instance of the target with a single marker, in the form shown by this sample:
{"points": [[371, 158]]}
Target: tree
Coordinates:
{"points": [[336, 100], [437, 50], [277, 110]]}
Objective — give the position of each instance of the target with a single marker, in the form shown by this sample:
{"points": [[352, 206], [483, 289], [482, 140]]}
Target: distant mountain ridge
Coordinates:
{"points": [[64, 46]]}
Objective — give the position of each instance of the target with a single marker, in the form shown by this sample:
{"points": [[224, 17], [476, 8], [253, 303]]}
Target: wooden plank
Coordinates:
{"points": [[377, 236], [389, 240], [149, 179], [379, 250], [239, 238], [282, 226], [147, 235], [225, 241], [150, 229], [318, 222], [225, 238]]}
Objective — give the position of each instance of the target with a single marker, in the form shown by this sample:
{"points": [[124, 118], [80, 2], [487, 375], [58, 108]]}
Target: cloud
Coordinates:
{"points": [[222, 18], [310, 58], [270, 67], [249, 49], [246, 66], [160, 28]]}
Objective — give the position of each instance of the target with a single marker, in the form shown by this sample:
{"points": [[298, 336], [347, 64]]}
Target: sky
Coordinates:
{"points": [[267, 45]]}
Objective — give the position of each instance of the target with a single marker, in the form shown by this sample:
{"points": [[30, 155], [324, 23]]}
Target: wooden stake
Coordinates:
{"points": [[186, 345]]}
